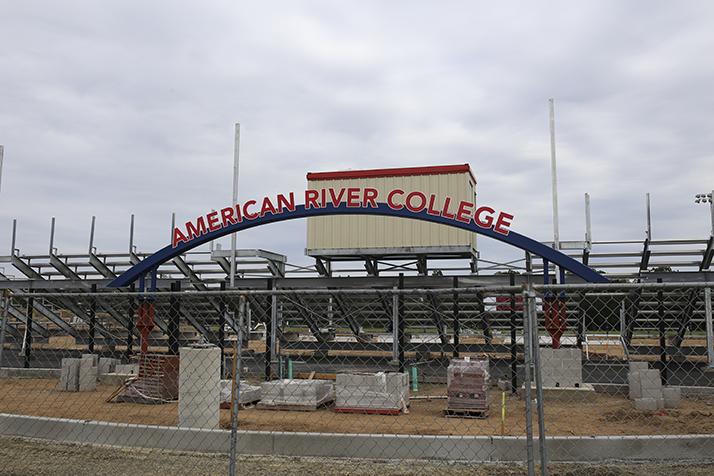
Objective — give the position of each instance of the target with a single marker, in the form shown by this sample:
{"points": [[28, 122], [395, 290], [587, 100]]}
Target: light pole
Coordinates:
{"points": [[707, 198]]}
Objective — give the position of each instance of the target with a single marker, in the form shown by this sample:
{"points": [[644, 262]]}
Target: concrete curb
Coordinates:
{"points": [[12, 372], [341, 445]]}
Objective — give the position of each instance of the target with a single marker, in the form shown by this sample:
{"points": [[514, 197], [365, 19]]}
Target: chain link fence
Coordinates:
{"points": [[449, 375]]}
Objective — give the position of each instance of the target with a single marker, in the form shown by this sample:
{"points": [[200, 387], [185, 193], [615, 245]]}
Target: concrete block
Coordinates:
{"points": [[295, 392], [651, 383], [107, 365], [87, 375], [561, 367], [671, 396], [646, 404], [246, 393], [635, 386], [636, 366], [199, 387], [382, 390], [69, 375], [93, 357], [127, 369]]}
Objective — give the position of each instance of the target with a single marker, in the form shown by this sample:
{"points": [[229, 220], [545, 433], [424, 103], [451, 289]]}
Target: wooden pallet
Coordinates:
{"points": [[294, 408], [465, 413], [370, 411]]}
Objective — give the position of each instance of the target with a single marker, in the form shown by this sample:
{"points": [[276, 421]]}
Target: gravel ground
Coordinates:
{"points": [[35, 457]]}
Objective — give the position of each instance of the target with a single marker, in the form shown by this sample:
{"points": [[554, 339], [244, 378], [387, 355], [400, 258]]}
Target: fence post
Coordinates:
{"points": [[5, 309], [457, 325], [535, 350], [221, 328], [235, 388], [514, 349], [130, 325], [174, 318], [709, 326], [92, 319], [28, 332], [269, 334], [395, 324], [400, 326], [662, 339], [527, 384]]}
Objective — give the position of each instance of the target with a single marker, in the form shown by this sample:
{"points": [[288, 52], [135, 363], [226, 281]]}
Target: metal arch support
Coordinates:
{"points": [[382, 209]]}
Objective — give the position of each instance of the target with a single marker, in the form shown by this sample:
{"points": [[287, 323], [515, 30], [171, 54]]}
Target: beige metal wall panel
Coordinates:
{"points": [[374, 233]]}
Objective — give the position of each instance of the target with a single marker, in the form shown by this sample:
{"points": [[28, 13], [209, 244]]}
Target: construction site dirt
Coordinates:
{"points": [[600, 415]]}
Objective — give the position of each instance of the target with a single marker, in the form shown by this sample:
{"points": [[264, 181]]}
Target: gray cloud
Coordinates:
{"points": [[110, 109]]}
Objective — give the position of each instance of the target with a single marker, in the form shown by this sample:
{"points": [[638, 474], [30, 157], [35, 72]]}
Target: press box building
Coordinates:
{"points": [[374, 238]]}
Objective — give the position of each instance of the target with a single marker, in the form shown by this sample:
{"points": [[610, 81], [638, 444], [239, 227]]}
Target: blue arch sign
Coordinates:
{"points": [[416, 205]]}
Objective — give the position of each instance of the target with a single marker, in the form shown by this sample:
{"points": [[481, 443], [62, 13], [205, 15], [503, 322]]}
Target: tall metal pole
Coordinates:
{"points": [[711, 208], [588, 225], [236, 154], [649, 219], [554, 177], [2, 154]]}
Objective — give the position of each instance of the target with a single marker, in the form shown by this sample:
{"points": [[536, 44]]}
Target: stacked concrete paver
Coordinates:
{"points": [[298, 393], [467, 385], [379, 392]]}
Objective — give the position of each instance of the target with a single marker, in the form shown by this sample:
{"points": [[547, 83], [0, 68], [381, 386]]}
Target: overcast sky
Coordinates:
{"points": [[114, 108]]}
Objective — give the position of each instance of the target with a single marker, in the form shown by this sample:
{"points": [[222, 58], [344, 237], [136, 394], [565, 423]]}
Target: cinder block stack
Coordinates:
{"points": [[646, 390], [301, 394], [561, 367], [378, 392], [246, 393], [467, 385]]}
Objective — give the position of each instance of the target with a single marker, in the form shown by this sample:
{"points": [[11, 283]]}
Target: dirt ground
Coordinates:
{"points": [[606, 415], [38, 458]]}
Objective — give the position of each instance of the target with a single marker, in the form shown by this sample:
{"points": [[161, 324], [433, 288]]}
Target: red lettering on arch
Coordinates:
{"points": [[179, 237], [422, 202], [227, 216], [267, 207], [370, 197], [488, 221], [194, 231], [213, 223], [286, 203], [336, 199], [502, 223], [463, 213], [311, 199], [390, 199], [246, 213]]}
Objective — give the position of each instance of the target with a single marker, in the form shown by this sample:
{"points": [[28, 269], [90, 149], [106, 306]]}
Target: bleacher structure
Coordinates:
{"points": [[330, 319]]}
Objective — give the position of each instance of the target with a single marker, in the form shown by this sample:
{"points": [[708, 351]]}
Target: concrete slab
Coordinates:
{"points": [[675, 448]]}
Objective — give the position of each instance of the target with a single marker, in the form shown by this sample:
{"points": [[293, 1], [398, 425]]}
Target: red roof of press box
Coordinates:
{"points": [[395, 172]]}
